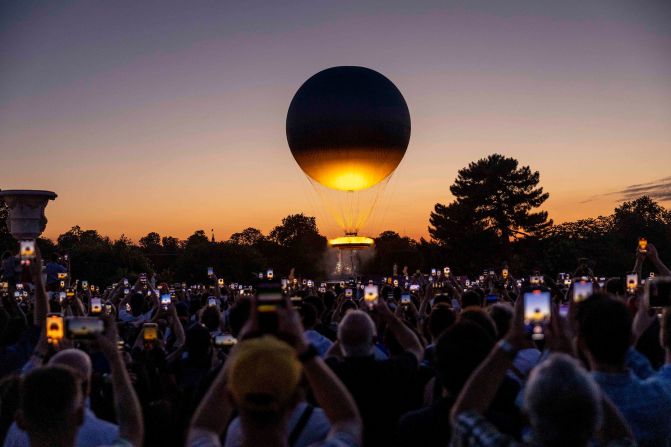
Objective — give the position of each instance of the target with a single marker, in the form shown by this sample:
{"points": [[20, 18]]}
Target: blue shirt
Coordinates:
{"points": [[644, 402], [53, 269], [93, 432]]}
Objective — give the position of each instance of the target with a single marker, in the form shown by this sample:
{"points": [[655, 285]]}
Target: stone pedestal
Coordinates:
{"points": [[26, 218]]}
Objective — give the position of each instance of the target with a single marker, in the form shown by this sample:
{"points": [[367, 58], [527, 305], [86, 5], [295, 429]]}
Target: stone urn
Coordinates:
{"points": [[26, 218]]}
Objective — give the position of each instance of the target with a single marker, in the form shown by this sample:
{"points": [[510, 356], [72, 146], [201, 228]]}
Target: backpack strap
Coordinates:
{"points": [[300, 425]]}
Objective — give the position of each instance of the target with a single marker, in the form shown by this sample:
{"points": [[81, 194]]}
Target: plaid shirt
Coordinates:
{"points": [[472, 429]]}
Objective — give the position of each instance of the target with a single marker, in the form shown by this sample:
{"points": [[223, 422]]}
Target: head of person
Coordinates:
{"points": [[263, 380], [563, 403], [51, 405], [79, 362], [356, 334], [471, 298], [459, 350], [603, 326], [440, 319], [308, 316], [210, 318], [481, 318], [502, 315], [54, 257], [137, 302], [199, 347]]}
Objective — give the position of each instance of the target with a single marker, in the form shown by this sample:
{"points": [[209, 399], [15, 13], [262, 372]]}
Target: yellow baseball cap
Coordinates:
{"points": [[263, 374]]}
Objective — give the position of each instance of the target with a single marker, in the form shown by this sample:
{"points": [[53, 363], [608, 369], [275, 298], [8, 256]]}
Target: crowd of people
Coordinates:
{"points": [[409, 359]]}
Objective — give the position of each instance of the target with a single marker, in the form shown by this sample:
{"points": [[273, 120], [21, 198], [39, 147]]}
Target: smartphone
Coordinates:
{"points": [[310, 283], [535, 280], [83, 328], [396, 283], [433, 272], [284, 283], [491, 299], [446, 271], [504, 273], [85, 285], [632, 283], [166, 299], [125, 282], [342, 284], [563, 310], [108, 309], [270, 274], [348, 293], [414, 287], [149, 332], [224, 341], [536, 313], [62, 275], [70, 293], [55, 330], [143, 278], [642, 245], [370, 296], [269, 299], [96, 306], [27, 251], [582, 289], [658, 292], [405, 299]]}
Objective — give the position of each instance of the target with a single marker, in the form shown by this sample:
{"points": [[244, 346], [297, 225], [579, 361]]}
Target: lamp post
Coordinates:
{"points": [[26, 220]]}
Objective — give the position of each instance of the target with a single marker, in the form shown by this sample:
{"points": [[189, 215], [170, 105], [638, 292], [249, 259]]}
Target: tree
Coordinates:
{"points": [[248, 236], [151, 242], [7, 241], [293, 227], [500, 195]]}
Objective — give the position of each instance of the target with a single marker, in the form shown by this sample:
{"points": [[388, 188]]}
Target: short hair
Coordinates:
{"points": [[356, 333], [604, 326], [563, 402], [481, 318], [211, 318], [459, 351], [308, 315], [49, 396], [440, 319], [502, 315], [471, 298]]}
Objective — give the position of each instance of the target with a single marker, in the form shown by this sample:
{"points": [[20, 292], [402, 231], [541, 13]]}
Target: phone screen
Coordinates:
{"points": [[224, 340], [27, 250], [643, 245], [212, 302], [77, 328], [210, 271], [270, 274], [149, 331], [414, 287], [536, 313], [165, 299], [632, 282], [96, 306], [370, 296], [348, 293], [54, 328], [405, 298], [658, 291], [491, 298], [582, 290]]}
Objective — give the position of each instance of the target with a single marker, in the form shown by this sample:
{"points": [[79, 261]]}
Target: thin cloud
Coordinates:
{"points": [[657, 189]]}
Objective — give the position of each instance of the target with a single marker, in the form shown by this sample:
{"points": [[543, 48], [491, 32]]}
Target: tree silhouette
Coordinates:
{"points": [[248, 236]]}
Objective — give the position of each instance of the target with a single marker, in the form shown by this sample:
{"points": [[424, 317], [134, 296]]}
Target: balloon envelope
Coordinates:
{"points": [[348, 127]]}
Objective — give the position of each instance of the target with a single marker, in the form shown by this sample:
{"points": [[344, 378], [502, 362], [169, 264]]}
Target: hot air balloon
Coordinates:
{"points": [[348, 129]]}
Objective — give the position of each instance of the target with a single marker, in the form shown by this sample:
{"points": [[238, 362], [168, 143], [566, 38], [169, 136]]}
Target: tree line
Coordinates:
{"points": [[493, 221]]}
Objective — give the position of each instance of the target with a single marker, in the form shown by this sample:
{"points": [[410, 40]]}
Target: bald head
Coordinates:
{"points": [[356, 333], [76, 360]]}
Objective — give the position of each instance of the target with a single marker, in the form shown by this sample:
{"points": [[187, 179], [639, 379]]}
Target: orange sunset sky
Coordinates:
{"points": [[170, 116]]}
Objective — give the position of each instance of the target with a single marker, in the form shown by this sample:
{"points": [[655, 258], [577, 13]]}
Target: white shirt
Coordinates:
{"points": [[93, 433]]}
